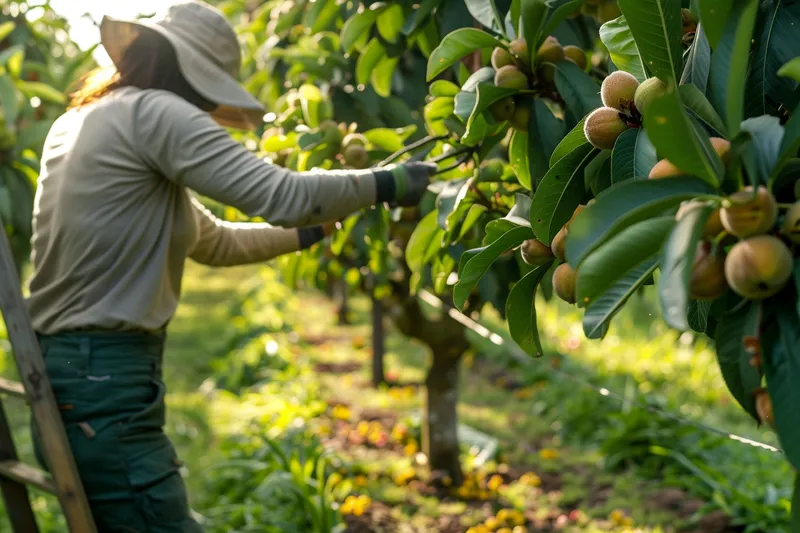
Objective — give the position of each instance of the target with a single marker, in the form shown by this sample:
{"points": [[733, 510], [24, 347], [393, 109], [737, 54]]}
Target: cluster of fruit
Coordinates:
{"points": [[625, 101], [342, 142], [514, 70], [505, 521], [535, 253]]}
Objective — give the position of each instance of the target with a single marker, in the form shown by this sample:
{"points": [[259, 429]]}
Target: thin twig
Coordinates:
{"points": [[452, 153], [413, 146], [455, 165]]}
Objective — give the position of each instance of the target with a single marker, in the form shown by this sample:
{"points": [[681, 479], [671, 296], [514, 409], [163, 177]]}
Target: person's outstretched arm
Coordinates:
{"points": [[223, 243], [185, 145]]}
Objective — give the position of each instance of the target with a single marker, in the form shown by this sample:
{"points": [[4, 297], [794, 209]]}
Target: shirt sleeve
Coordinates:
{"points": [[222, 243], [184, 144]]}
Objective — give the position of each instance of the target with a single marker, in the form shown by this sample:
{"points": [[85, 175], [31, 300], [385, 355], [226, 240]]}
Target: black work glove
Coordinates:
{"points": [[404, 185]]}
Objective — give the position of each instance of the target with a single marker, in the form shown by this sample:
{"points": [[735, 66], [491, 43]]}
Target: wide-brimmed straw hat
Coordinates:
{"points": [[208, 51]]}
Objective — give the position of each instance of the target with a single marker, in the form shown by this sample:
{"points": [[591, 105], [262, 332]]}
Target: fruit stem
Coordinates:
{"points": [[413, 146], [452, 153]]}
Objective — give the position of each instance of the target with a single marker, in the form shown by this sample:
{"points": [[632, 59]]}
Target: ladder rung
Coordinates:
{"points": [[13, 388], [27, 475]]}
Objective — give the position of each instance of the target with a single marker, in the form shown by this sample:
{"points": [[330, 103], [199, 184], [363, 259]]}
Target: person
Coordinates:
{"points": [[115, 218]]}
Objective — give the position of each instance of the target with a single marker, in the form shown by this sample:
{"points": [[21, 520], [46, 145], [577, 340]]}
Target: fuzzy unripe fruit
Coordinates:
{"points": [[511, 77], [713, 223], [491, 170], [722, 147], [331, 132], [707, 281], [791, 223], [559, 244], [353, 139], [664, 169], [607, 11], [356, 156], [501, 58], [522, 115], [603, 126], [502, 110], [576, 55], [648, 90], [619, 90], [750, 215], [564, 282], [536, 253], [520, 49], [758, 267], [764, 408], [551, 51]]}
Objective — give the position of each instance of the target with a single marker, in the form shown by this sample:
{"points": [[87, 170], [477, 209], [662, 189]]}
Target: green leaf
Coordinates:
{"points": [[368, 60], [485, 12], [382, 76], [549, 128], [472, 217], [482, 75], [518, 158], [697, 314], [8, 53], [672, 132], [449, 198], [698, 62], [741, 378], [713, 15], [521, 312], [580, 92], [521, 211], [6, 28], [563, 10], [496, 229], [488, 94], [776, 45], [456, 45], [730, 61], [626, 251], [390, 22], [633, 156], [623, 205], [791, 69], [533, 14], [33, 135], [559, 193], [597, 176], [422, 15], [656, 26], [618, 39], [356, 26], [390, 140], [426, 235], [791, 137], [8, 99], [574, 139], [762, 154], [41, 90], [676, 265], [696, 102], [600, 312], [444, 88], [476, 266]]}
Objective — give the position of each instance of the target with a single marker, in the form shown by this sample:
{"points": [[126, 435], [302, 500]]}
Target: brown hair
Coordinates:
{"points": [[149, 62]]}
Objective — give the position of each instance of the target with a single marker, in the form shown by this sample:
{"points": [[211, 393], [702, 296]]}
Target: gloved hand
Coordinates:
{"points": [[411, 181]]}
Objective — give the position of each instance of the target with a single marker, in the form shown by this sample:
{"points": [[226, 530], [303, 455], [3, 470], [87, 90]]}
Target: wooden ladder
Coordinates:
{"points": [[15, 476]]}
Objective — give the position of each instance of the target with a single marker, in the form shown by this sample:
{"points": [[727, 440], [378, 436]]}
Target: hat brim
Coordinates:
{"points": [[237, 108]]}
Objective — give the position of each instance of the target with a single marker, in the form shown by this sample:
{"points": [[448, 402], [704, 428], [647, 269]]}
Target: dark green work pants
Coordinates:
{"points": [[109, 389]]}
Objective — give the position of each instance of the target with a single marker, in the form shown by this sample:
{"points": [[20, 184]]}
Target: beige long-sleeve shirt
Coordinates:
{"points": [[114, 220]]}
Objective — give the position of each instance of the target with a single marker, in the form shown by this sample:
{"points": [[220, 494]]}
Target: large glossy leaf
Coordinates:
{"points": [[624, 252], [357, 26], [697, 314], [368, 60], [521, 212], [762, 154], [390, 22], [623, 205], [521, 312], [449, 198], [696, 102], [559, 193], [656, 26], [456, 45], [549, 129], [602, 310], [633, 156], [560, 10], [569, 143], [580, 92], [791, 69], [740, 376], [533, 15], [730, 62], [776, 44], [597, 176], [672, 132], [426, 235], [698, 63], [485, 12], [476, 266], [488, 94], [617, 37], [464, 104], [676, 265], [421, 16], [518, 158], [714, 15]]}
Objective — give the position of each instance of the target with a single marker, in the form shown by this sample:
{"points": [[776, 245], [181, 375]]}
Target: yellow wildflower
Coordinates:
{"points": [[548, 454]]}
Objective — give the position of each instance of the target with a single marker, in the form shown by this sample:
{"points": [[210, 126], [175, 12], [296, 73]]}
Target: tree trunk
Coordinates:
{"points": [[440, 424], [378, 375]]}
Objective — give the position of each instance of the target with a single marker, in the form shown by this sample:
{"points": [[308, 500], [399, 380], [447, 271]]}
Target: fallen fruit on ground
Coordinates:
{"points": [[510, 77], [750, 214], [536, 253], [603, 127], [619, 90], [758, 267], [707, 281], [564, 281]]}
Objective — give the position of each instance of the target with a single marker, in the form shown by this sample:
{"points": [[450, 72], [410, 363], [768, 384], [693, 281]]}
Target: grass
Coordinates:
{"points": [[588, 450]]}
